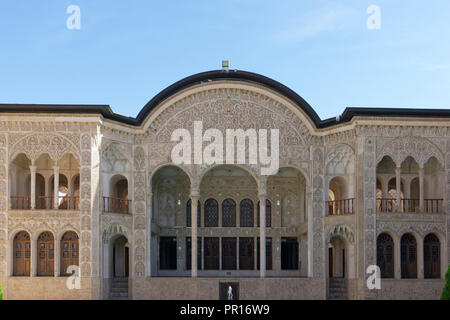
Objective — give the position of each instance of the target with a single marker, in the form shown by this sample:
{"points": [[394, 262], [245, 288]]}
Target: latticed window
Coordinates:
{"points": [[211, 213], [385, 260], [228, 213], [408, 256], [189, 213], [46, 256], [268, 214], [22, 254], [246, 211], [431, 257], [69, 252]]}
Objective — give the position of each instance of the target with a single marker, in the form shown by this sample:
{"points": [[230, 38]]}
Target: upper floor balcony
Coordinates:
{"points": [[408, 187], [44, 184], [117, 201]]}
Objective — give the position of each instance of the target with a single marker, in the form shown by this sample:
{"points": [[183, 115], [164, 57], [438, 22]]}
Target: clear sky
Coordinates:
{"points": [[127, 51]]}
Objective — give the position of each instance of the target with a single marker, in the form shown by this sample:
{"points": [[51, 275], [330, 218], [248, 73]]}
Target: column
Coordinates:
{"points": [[407, 187], [33, 186], [397, 259], [398, 187], [33, 257], [420, 258], [262, 232], [149, 233], [421, 191], [56, 257], [195, 196], [56, 187]]}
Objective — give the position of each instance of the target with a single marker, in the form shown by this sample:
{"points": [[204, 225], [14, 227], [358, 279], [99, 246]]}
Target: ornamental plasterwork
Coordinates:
{"points": [[340, 160], [230, 109], [116, 157], [400, 148], [44, 224], [109, 221], [114, 229], [400, 228], [36, 144], [343, 231]]}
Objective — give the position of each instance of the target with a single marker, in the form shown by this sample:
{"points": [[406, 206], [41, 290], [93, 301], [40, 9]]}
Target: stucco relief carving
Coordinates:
{"points": [[343, 231], [140, 203], [340, 160], [400, 228], [36, 144], [419, 148], [116, 157], [229, 109]]}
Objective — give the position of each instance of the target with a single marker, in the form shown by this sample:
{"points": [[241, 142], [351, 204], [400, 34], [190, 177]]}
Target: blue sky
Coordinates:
{"points": [[128, 51]]}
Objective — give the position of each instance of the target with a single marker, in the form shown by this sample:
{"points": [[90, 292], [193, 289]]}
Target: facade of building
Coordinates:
{"points": [[85, 190]]}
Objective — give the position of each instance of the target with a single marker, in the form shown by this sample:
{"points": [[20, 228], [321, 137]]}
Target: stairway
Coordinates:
{"points": [[119, 289], [337, 289]]}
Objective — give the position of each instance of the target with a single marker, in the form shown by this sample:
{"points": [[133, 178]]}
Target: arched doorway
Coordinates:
{"points": [[116, 263], [432, 257], [341, 255], [408, 256], [336, 258], [121, 258], [22, 254], [385, 255]]}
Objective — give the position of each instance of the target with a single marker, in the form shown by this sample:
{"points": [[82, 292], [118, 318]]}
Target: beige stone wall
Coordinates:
{"points": [[47, 288], [249, 288]]}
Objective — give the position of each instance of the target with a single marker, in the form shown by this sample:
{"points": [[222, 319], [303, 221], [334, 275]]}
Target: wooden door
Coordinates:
{"points": [[246, 254], [432, 257], [408, 256], [211, 253], [69, 252], [46, 254], [22, 254], [330, 262], [228, 253]]}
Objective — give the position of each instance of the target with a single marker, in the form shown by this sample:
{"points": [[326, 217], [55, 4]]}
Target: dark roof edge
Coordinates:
{"points": [[218, 75]]}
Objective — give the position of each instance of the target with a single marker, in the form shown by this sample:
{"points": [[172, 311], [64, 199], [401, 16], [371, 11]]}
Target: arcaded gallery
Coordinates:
{"points": [[92, 196]]}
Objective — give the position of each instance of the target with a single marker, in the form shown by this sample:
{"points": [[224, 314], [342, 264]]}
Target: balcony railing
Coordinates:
{"points": [[45, 203], [340, 207], [409, 205], [21, 202], [116, 205]]}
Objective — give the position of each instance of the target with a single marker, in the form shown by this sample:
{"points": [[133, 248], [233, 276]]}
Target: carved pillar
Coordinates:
{"points": [[33, 186], [195, 196], [4, 203], [316, 213], [56, 187], [398, 188], [88, 211], [149, 231], [262, 195], [369, 196], [140, 218], [421, 190]]}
